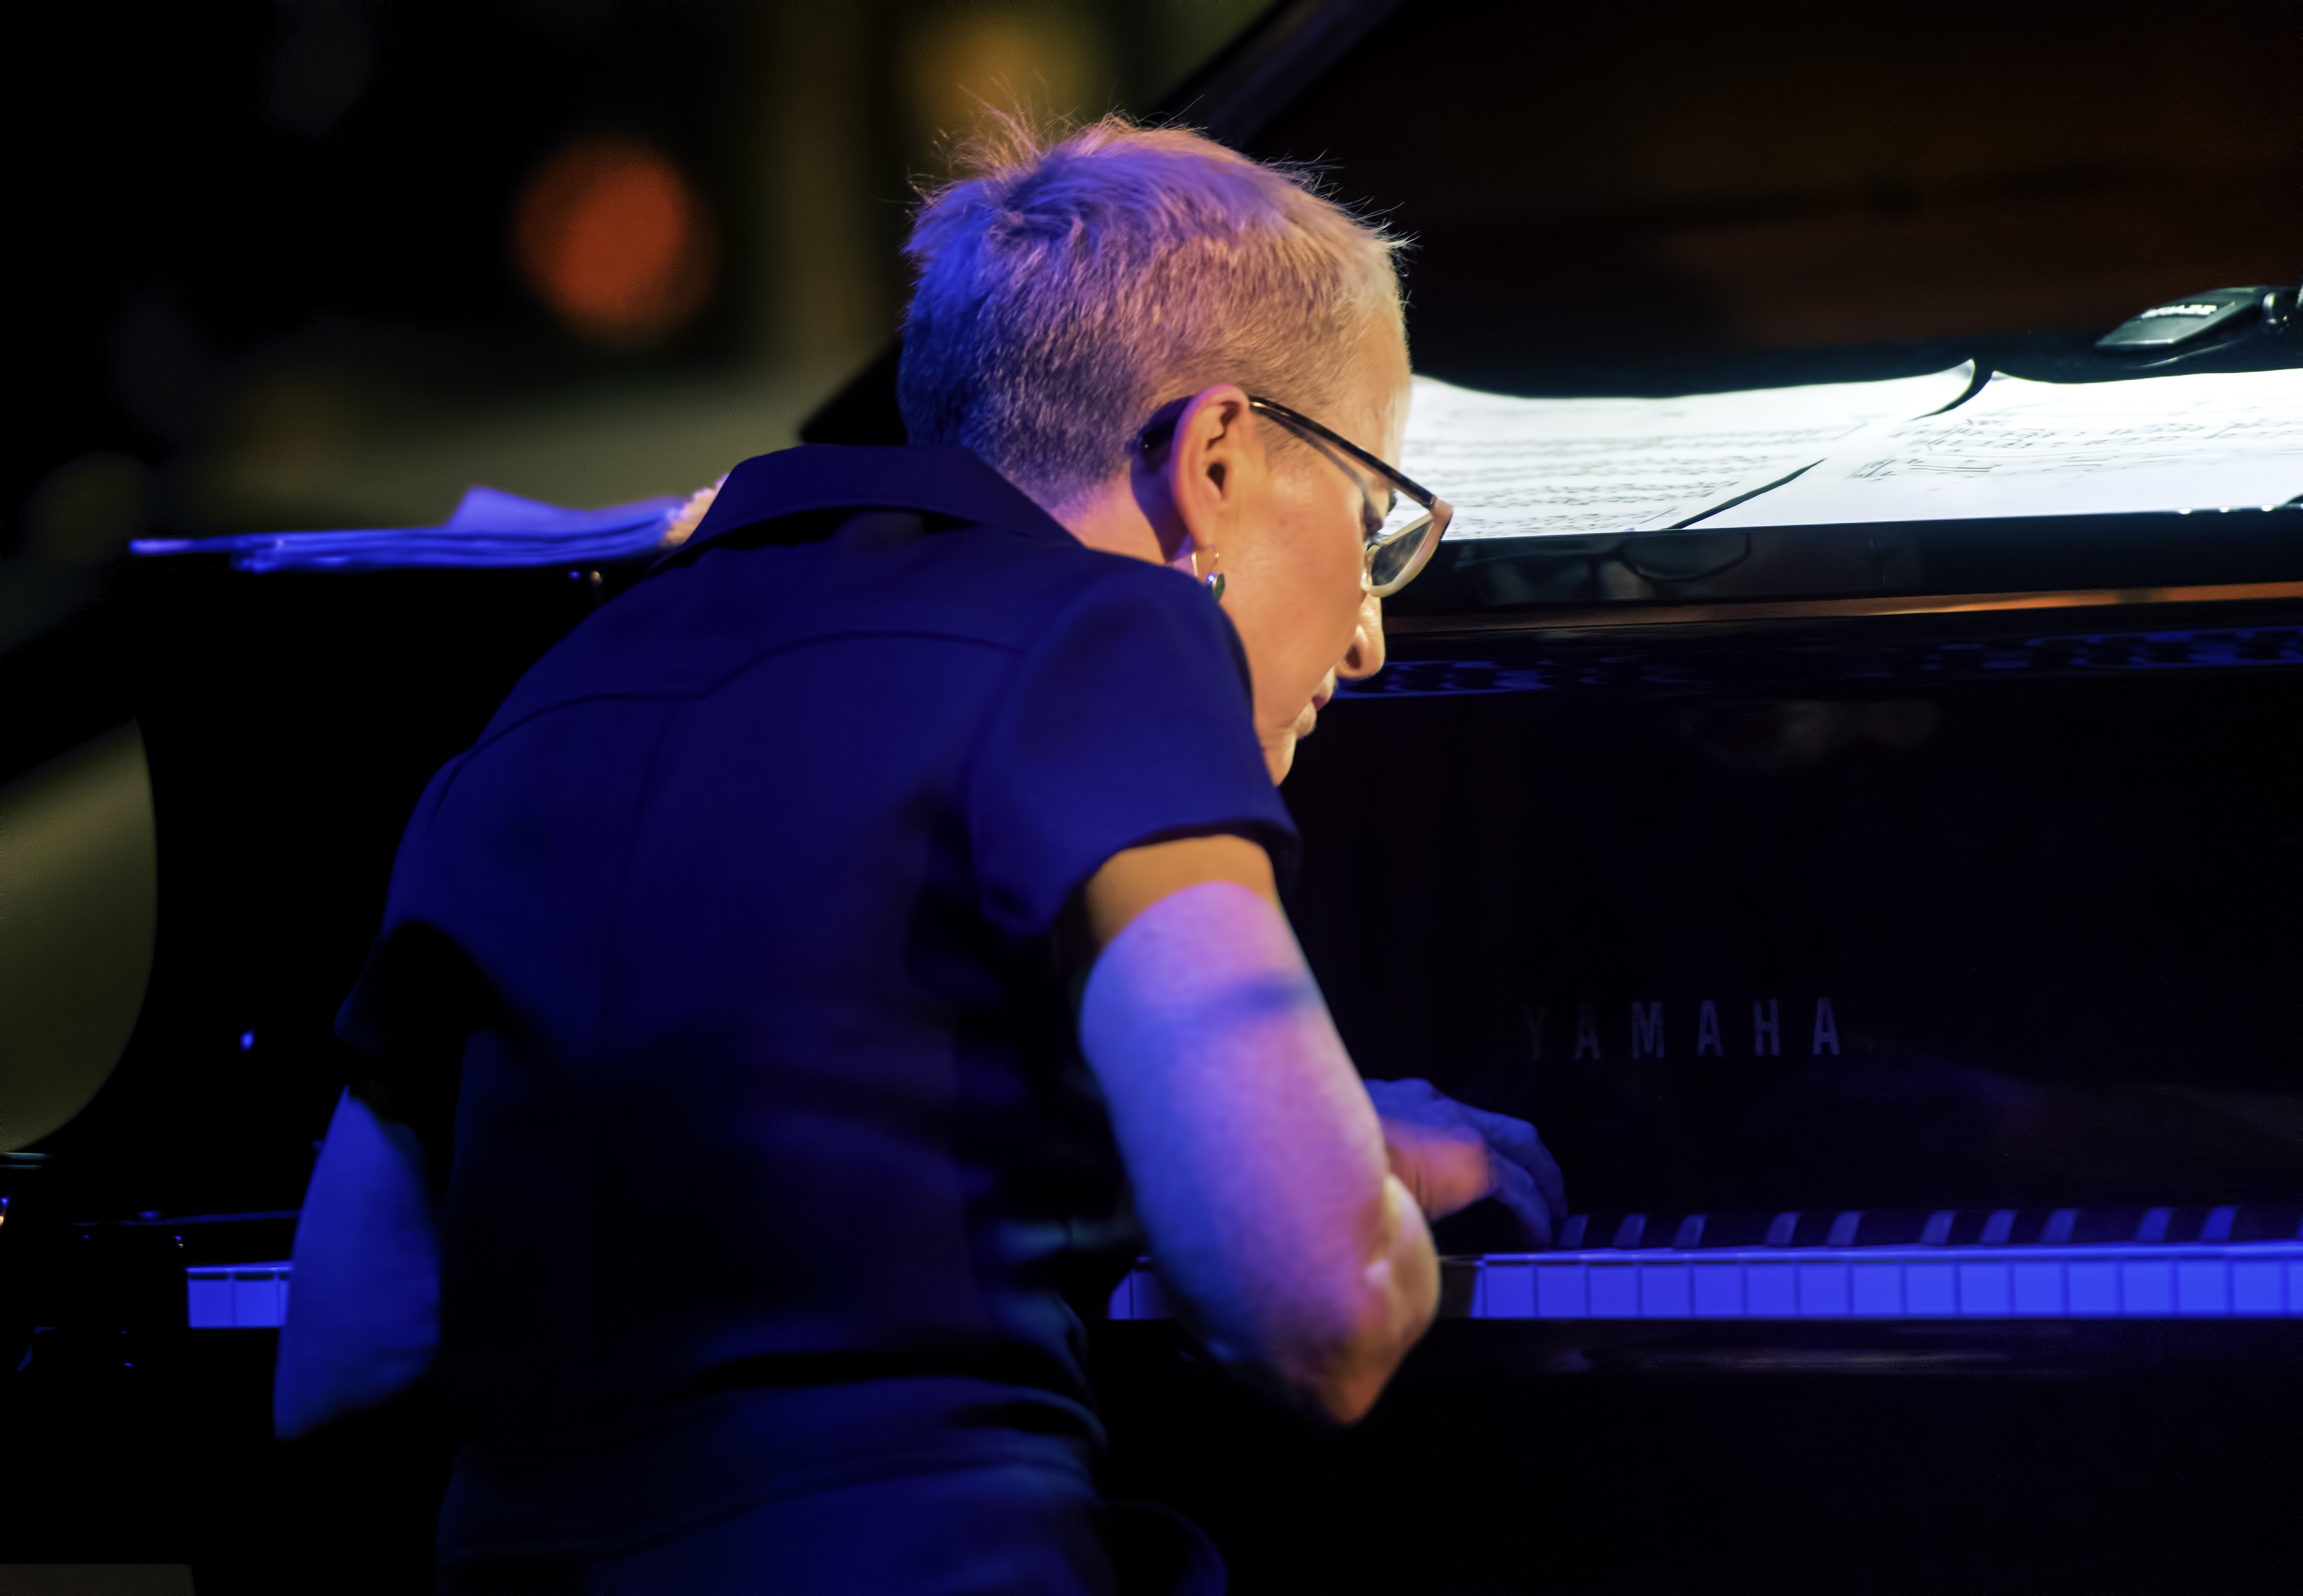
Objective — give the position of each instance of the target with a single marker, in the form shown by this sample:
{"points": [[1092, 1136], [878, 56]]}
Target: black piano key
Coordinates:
{"points": [[1981, 1226], [2269, 1221], [1811, 1227], [1738, 1229], [2107, 1226], [1890, 1226]]}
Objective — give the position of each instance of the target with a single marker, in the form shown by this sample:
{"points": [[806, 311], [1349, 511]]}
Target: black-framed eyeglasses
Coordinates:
{"points": [[1400, 535]]}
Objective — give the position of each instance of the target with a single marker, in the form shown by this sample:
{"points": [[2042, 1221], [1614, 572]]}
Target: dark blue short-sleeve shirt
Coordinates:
{"points": [[734, 943]]}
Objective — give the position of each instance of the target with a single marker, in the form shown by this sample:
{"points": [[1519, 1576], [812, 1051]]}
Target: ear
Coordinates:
{"points": [[1216, 476]]}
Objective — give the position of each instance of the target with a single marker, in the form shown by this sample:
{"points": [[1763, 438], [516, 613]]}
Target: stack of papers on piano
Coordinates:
{"points": [[1923, 448], [1526, 467], [2221, 441], [489, 529]]}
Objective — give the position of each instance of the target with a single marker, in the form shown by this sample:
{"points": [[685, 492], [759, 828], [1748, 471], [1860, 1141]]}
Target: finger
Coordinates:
{"points": [[1515, 1190], [1515, 1141], [1555, 1192], [1409, 1100], [1549, 1180]]}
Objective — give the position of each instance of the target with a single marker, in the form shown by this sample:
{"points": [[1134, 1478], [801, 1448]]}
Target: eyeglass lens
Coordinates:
{"points": [[1395, 562]]}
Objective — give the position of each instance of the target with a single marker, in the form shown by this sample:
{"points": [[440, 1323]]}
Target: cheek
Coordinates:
{"points": [[1307, 590], [1321, 540]]}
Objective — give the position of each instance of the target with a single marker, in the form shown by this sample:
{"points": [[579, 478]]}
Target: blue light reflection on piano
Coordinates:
{"points": [[1991, 1277], [1622, 665], [490, 529]]}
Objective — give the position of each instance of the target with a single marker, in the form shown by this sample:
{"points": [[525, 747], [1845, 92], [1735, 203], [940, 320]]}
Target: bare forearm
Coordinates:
{"points": [[363, 1312], [1259, 1165], [1402, 1294]]}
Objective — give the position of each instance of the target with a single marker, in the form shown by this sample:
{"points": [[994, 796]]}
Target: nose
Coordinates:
{"points": [[1364, 657]]}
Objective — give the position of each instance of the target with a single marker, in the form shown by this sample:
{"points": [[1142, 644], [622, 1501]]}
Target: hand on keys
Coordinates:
{"points": [[1449, 1156]]}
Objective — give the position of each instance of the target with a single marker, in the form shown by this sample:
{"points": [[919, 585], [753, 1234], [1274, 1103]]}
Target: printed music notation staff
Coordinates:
{"points": [[1520, 468], [1923, 448], [2023, 448]]}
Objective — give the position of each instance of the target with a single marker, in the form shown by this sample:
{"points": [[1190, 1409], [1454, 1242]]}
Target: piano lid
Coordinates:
{"points": [[1828, 197]]}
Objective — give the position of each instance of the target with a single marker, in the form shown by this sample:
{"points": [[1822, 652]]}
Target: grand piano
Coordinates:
{"points": [[1900, 953]]}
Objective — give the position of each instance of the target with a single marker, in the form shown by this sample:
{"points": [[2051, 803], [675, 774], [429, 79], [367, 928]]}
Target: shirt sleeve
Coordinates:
{"points": [[1130, 719]]}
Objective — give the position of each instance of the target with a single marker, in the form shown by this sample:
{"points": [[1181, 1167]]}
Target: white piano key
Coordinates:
{"points": [[256, 1299], [2146, 1286], [2202, 1286], [1771, 1290], [2039, 1288], [1985, 1289], [236, 1297], [2256, 1286], [1931, 1290], [1666, 1291], [1875, 1290], [2093, 1287], [1717, 1290], [1614, 1291], [1560, 1291], [1823, 1290], [2295, 1288], [208, 1299], [1508, 1291]]}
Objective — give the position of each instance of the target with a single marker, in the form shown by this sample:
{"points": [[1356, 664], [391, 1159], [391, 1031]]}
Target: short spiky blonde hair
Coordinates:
{"points": [[1068, 288]]}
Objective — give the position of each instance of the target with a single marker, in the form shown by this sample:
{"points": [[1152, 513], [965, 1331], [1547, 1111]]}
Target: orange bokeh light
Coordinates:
{"points": [[614, 239]]}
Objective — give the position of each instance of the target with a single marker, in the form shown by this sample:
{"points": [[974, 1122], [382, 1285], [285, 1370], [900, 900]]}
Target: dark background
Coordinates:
{"points": [[267, 278], [1687, 178]]}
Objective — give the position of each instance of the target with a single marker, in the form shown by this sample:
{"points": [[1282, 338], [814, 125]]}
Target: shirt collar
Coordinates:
{"points": [[937, 479]]}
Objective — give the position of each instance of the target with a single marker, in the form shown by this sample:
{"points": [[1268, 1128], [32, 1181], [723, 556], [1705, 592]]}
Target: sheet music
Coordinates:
{"points": [[1517, 467], [2024, 448]]}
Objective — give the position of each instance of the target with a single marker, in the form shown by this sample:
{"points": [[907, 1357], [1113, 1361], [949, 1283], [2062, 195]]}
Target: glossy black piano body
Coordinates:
{"points": [[1975, 840], [1978, 843]]}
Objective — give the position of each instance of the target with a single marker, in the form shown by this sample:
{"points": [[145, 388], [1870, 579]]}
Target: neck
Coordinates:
{"points": [[1110, 518]]}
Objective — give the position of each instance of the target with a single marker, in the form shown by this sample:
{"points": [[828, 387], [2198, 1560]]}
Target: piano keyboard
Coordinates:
{"points": [[2172, 1263], [2048, 1275], [236, 1296]]}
